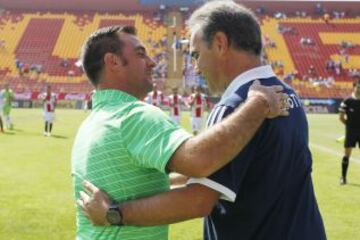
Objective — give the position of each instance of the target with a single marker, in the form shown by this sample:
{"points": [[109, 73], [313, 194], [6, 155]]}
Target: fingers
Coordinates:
{"points": [[80, 203], [83, 202], [277, 88], [277, 99], [284, 101], [284, 113], [84, 197], [91, 188]]}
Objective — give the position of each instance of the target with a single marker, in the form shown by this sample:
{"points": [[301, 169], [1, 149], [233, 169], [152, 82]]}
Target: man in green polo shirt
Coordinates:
{"points": [[126, 147]]}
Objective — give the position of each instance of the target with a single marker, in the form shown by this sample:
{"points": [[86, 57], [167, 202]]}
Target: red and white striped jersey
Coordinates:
{"points": [[155, 98], [198, 103], [49, 101], [175, 104]]}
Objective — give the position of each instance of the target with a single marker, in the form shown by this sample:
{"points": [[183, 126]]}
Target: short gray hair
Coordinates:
{"points": [[238, 23]]}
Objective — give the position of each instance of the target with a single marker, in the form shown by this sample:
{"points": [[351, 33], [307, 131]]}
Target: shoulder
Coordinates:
{"points": [[348, 101], [145, 112]]}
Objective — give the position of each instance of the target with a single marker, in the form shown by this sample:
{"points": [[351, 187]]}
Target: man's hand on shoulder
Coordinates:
{"points": [[274, 97]]}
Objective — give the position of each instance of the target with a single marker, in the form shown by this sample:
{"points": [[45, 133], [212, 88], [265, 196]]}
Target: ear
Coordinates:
{"points": [[220, 43], [111, 60]]}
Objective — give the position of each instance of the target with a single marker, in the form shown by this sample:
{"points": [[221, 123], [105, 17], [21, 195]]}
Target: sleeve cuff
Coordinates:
{"points": [[226, 193], [179, 136]]}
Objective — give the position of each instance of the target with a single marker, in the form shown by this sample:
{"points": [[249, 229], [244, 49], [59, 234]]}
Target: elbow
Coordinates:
{"points": [[203, 208], [201, 170]]}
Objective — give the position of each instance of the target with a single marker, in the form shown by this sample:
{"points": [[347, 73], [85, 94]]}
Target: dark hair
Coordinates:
{"points": [[102, 41], [238, 24]]}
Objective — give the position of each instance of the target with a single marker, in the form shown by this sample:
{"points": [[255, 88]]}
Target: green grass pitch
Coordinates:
{"points": [[36, 199]]}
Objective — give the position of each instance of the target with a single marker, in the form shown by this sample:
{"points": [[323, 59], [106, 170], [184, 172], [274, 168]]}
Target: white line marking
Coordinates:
{"points": [[331, 151]]}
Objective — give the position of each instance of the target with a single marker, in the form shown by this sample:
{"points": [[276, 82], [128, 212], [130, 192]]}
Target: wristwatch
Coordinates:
{"points": [[114, 215]]}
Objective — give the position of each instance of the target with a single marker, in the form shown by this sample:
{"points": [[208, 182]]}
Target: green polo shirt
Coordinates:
{"points": [[8, 97], [123, 148]]}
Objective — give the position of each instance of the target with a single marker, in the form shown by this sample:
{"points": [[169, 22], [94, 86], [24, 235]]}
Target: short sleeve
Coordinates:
{"points": [[343, 106], [226, 180], [150, 136]]}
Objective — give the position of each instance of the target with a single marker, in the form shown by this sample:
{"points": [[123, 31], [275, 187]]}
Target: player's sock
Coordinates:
{"points": [[46, 127], [50, 127], [8, 122], [344, 165]]}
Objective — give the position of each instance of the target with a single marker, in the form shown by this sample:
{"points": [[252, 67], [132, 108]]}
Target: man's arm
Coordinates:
{"points": [[342, 117], [173, 206], [194, 200], [207, 152]]}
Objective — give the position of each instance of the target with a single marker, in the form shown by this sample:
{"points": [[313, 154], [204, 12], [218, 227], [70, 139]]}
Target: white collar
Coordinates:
{"points": [[248, 76]]}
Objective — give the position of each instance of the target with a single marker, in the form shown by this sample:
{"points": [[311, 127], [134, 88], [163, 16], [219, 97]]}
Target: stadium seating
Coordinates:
{"points": [[299, 57], [48, 39]]}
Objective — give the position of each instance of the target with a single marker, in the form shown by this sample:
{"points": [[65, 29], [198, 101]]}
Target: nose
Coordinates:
{"points": [[151, 63], [195, 64]]}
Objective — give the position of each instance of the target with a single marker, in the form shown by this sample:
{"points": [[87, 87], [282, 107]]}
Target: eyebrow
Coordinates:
{"points": [[141, 48], [194, 54]]}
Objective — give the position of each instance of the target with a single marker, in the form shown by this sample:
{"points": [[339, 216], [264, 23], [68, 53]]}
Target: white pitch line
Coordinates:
{"points": [[331, 151]]}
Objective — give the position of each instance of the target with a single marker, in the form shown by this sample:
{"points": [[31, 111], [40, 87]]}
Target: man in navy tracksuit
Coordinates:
{"points": [[266, 191]]}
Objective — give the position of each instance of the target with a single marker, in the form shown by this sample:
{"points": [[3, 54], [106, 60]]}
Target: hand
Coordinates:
{"points": [[178, 179], [276, 99], [96, 206]]}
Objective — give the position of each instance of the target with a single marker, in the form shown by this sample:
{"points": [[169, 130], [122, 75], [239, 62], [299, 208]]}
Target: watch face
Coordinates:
{"points": [[113, 216]]}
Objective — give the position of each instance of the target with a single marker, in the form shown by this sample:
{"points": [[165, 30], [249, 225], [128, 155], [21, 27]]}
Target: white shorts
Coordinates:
{"points": [[176, 119], [49, 117], [196, 123]]}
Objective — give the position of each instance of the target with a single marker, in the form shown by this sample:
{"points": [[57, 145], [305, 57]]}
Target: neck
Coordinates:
{"points": [[357, 95], [238, 64], [121, 86]]}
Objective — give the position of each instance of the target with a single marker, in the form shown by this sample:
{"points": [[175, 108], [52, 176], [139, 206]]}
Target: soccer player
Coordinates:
{"points": [[8, 97], [1, 111], [155, 97], [350, 117], [175, 102], [127, 147], [88, 101], [198, 102], [49, 101]]}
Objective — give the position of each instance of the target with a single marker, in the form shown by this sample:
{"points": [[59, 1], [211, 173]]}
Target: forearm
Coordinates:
{"points": [[170, 207], [204, 154], [342, 118]]}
